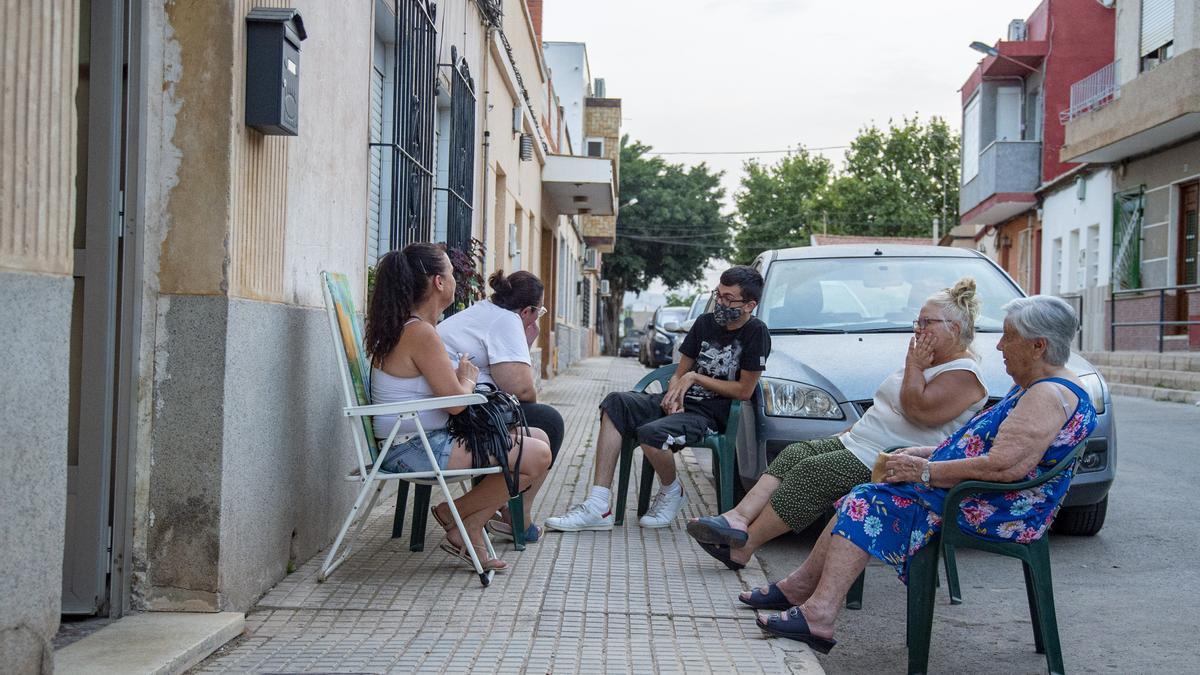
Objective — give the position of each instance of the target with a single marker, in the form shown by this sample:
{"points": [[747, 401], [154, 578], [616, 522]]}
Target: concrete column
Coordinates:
{"points": [[38, 72]]}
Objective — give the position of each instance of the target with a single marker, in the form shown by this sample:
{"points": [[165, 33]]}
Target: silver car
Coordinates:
{"points": [[841, 319]]}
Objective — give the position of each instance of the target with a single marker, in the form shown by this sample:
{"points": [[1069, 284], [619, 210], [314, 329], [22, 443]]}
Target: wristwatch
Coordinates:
{"points": [[925, 474]]}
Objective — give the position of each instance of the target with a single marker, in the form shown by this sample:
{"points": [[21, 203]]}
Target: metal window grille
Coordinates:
{"points": [[461, 175], [409, 139], [585, 317], [1127, 219]]}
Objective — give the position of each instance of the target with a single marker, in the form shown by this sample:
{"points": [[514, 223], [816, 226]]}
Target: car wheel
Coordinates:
{"points": [[1082, 521]]}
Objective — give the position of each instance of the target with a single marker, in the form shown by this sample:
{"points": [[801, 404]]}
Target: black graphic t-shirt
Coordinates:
{"points": [[723, 354]]}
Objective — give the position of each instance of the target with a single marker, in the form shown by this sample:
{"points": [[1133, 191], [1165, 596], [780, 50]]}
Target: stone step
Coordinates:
{"points": [[1179, 361], [158, 643], [1151, 377], [1155, 393]]}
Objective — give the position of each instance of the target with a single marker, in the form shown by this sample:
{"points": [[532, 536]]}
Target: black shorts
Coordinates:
{"points": [[634, 413]]}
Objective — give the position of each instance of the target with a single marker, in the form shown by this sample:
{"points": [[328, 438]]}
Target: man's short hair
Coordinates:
{"points": [[745, 277]]}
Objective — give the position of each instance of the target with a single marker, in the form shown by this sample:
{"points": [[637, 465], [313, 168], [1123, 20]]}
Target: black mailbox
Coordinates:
{"points": [[273, 38]]}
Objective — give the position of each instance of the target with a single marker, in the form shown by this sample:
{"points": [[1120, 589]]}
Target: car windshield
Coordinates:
{"points": [[873, 294], [668, 314], [698, 305]]}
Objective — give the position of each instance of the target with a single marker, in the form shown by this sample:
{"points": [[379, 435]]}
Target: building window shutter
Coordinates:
{"points": [[375, 207], [1158, 24], [970, 142]]}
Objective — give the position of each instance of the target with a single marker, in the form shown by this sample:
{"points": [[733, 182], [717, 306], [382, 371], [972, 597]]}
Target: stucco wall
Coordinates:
{"points": [[1063, 212], [35, 318], [286, 447]]}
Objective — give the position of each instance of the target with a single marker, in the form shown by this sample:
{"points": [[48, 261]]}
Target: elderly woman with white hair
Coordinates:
{"points": [[1041, 419], [937, 390]]}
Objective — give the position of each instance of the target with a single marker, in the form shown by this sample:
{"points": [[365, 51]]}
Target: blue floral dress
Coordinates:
{"points": [[892, 521]]}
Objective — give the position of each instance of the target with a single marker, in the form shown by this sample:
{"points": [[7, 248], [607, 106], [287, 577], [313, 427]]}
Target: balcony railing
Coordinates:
{"points": [[1092, 92]]}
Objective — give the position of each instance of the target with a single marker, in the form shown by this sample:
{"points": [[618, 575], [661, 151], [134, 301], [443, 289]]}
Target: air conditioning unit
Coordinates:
{"points": [[604, 289], [1016, 30], [591, 260], [526, 147]]}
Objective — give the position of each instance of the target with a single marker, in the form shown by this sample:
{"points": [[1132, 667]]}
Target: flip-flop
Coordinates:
{"points": [[717, 530], [488, 564], [722, 553], [795, 627], [772, 599], [502, 529]]}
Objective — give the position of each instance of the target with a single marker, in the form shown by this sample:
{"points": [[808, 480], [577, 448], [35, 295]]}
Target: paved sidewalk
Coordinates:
{"points": [[632, 600]]}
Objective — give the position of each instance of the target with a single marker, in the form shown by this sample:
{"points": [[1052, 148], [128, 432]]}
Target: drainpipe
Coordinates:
{"points": [[487, 146]]}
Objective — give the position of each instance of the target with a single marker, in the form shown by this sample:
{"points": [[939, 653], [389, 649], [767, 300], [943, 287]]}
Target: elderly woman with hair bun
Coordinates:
{"points": [[937, 391], [1041, 419]]}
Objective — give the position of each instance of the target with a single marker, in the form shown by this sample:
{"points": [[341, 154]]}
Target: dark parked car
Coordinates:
{"points": [[657, 342], [629, 345], [841, 319]]}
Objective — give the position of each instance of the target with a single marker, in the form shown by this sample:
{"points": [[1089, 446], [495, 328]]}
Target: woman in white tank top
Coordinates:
{"points": [[409, 362], [938, 390]]}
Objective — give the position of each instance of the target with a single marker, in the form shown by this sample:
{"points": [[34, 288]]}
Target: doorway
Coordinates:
{"points": [[1189, 252], [95, 574]]}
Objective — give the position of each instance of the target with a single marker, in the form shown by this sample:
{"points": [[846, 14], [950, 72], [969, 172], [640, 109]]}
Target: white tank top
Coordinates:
{"points": [[387, 388], [884, 425]]}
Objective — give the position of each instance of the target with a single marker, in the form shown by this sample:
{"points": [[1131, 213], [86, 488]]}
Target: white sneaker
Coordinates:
{"points": [[580, 518], [663, 509]]}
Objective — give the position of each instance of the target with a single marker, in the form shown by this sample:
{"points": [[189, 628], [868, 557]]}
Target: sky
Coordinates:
{"points": [[756, 75]]}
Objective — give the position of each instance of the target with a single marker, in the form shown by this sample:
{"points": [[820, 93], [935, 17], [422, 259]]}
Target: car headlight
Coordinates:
{"points": [[662, 339], [1095, 389], [782, 398]]}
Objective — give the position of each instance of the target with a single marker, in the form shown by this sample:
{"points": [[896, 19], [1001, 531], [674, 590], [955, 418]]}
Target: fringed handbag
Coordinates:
{"points": [[486, 429]]}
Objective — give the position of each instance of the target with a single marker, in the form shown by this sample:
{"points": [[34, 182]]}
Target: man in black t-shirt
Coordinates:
{"points": [[721, 359]]}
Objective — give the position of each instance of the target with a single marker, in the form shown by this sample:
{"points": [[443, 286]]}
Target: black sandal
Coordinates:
{"points": [[795, 627]]}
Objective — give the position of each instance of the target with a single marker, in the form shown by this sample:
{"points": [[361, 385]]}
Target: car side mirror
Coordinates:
{"points": [[674, 327]]}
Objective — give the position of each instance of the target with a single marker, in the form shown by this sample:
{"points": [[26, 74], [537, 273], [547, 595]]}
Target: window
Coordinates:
{"points": [[402, 135], [1056, 253], [1078, 261], [1008, 113], [1032, 130], [970, 141], [460, 174], [595, 147], [1157, 35], [585, 298], [1093, 252]]}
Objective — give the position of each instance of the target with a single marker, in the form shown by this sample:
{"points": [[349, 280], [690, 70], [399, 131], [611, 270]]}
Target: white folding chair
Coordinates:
{"points": [[345, 327]]}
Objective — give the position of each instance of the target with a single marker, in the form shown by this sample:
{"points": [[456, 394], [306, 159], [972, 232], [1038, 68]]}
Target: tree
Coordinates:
{"points": [[669, 233], [896, 182], [777, 204], [684, 299], [893, 183]]}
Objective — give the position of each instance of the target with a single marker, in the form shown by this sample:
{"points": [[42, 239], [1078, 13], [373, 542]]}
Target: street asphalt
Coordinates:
{"points": [[1126, 598]]}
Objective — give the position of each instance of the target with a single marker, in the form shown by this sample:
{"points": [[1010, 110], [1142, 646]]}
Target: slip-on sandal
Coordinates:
{"points": [[716, 530], [722, 553], [488, 564], [795, 627], [772, 599]]}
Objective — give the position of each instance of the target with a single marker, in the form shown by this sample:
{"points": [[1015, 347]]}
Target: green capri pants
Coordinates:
{"points": [[814, 475]]}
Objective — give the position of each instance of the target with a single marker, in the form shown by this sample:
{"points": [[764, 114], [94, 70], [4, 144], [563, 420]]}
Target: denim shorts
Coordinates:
{"points": [[410, 455]]}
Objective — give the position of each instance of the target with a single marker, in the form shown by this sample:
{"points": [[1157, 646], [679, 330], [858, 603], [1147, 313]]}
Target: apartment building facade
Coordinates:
{"points": [[1139, 116], [171, 434], [1011, 167]]}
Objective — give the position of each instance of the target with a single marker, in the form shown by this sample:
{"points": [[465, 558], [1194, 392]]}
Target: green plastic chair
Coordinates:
{"points": [[1034, 557], [723, 448]]}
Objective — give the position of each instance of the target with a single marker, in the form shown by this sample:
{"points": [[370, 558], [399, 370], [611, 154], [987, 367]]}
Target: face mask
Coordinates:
{"points": [[726, 315]]}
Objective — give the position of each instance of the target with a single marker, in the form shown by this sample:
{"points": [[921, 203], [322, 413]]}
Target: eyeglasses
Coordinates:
{"points": [[541, 311], [924, 323], [726, 300]]}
